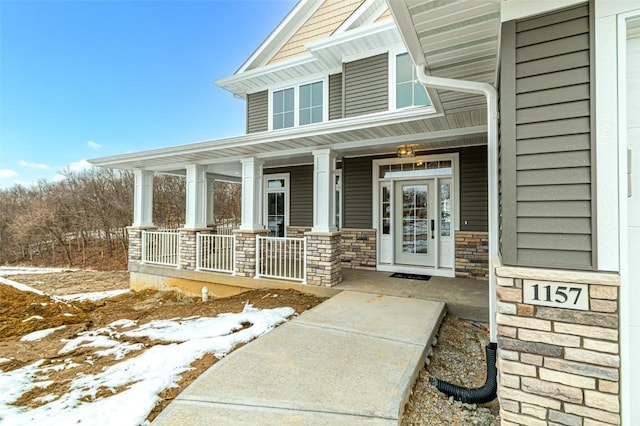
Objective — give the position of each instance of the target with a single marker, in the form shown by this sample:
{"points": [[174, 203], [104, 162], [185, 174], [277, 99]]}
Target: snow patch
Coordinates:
{"points": [[143, 376], [92, 296], [20, 286], [40, 334]]}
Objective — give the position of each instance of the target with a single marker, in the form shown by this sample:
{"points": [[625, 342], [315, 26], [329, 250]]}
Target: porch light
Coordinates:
{"points": [[405, 151]]}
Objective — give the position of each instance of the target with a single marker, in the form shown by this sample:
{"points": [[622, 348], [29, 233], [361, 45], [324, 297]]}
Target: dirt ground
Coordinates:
{"points": [[18, 308]]}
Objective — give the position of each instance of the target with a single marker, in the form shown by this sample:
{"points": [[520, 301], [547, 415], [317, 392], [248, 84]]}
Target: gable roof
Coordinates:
{"points": [[310, 21], [322, 23], [315, 47]]}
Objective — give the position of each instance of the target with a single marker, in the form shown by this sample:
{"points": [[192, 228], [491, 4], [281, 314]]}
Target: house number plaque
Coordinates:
{"points": [[557, 295]]}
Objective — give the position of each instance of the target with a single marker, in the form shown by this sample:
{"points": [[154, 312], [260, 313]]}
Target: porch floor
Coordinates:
{"points": [[351, 360], [465, 298]]}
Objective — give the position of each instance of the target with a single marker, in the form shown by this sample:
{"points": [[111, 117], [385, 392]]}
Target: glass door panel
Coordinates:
{"points": [[415, 233], [275, 214]]}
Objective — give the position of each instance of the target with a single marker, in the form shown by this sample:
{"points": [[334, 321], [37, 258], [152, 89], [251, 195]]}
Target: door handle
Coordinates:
{"points": [[433, 228]]}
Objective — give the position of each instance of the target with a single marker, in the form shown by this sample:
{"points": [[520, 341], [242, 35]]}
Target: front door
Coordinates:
{"points": [[415, 220]]}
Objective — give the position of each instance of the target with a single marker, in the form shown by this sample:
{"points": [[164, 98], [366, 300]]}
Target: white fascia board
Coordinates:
{"points": [[344, 47], [341, 125], [296, 18], [325, 56], [400, 13], [518, 9], [355, 16], [236, 81]]}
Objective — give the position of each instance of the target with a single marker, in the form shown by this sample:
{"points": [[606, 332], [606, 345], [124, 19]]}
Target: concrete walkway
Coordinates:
{"points": [[351, 360]]}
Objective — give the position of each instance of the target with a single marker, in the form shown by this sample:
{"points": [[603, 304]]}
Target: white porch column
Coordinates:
{"points": [[196, 215], [210, 202], [324, 177], [143, 199], [251, 194]]}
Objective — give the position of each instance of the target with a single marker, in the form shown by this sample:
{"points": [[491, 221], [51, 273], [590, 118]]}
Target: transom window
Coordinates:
{"points": [[298, 106], [409, 92], [415, 168]]}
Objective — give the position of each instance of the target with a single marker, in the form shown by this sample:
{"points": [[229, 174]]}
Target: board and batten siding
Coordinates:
{"points": [[474, 189], [366, 85], [300, 193], [546, 141], [356, 193], [335, 96], [258, 112]]}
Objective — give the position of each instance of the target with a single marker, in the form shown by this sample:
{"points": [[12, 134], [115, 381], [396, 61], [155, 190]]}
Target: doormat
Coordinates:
{"points": [[410, 276]]}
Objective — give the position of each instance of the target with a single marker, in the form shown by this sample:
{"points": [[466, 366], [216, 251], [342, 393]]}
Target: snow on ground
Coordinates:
{"points": [[140, 378], [40, 334], [92, 296], [20, 286]]}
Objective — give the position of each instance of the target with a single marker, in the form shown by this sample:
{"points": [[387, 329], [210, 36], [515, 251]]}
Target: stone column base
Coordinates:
{"points": [[188, 242], [323, 258], [246, 251], [135, 242]]}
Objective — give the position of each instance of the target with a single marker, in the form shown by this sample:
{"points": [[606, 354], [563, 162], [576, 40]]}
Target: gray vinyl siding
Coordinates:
{"points": [[546, 141], [300, 193], [258, 112], [335, 96], [473, 189], [366, 86], [356, 193]]}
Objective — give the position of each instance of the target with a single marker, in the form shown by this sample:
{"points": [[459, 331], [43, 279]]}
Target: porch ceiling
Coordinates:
{"points": [[454, 39], [348, 137]]}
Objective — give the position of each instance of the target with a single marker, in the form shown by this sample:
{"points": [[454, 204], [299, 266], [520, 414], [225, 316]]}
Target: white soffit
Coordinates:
{"points": [[359, 134], [454, 39]]}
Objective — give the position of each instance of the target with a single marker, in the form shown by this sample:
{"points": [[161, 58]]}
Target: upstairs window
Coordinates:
{"points": [[283, 108], [298, 105], [408, 90], [311, 103]]}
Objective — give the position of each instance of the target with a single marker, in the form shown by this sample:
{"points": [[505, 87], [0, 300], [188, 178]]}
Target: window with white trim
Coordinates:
{"points": [[409, 92], [298, 105]]}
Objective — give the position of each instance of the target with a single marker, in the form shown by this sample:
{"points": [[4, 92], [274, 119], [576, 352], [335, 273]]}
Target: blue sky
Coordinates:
{"points": [[86, 79]]}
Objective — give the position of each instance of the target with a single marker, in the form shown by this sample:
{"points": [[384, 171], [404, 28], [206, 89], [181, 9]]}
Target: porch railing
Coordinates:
{"points": [[216, 253], [281, 258], [161, 248]]}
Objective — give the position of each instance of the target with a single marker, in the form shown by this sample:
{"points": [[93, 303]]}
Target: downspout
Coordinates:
{"points": [[491, 96], [487, 392]]}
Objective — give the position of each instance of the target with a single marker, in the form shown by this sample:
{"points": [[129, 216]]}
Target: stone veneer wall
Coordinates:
{"points": [[323, 258], [135, 242], [359, 248], [472, 255], [187, 241], [558, 366], [297, 231], [246, 251]]}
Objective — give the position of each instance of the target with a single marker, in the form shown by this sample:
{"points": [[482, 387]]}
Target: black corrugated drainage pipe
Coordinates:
{"points": [[480, 395]]}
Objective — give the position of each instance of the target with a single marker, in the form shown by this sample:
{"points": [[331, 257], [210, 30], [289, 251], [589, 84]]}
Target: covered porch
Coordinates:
{"points": [[333, 229], [464, 298]]}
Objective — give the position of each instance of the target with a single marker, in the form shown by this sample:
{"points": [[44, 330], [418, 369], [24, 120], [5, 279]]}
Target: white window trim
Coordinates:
{"points": [[265, 202], [392, 83], [296, 102], [455, 175]]}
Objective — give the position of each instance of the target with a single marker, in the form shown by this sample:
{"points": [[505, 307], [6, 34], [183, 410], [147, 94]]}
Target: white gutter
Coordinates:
{"points": [[491, 96]]}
